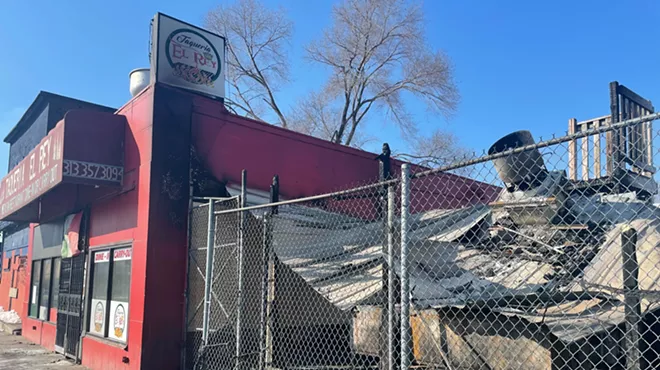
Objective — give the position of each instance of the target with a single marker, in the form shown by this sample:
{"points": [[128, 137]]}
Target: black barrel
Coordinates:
{"points": [[519, 171]]}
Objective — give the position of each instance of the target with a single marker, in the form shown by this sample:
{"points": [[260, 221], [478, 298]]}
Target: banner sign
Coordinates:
{"points": [[39, 172], [187, 56], [86, 148]]}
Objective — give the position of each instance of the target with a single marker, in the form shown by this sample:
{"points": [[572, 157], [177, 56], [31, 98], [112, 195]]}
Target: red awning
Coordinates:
{"points": [[81, 159]]}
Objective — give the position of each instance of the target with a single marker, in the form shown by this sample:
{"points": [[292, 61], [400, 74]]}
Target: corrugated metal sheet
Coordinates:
{"points": [[339, 257], [333, 253]]}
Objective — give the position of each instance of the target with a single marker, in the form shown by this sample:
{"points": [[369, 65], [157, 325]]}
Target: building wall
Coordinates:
{"points": [[35, 330], [124, 219], [151, 210], [15, 241], [309, 166], [12, 272], [120, 219], [167, 232], [150, 214], [51, 109], [29, 139], [13, 276], [16, 272], [151, 217]]}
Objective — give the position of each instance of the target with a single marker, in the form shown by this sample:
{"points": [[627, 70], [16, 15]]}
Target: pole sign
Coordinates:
{"points": [[187, 56]]}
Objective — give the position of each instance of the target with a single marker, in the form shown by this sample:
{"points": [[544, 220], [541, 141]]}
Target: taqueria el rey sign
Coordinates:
{"points": [[84, 149], [187, 56]]}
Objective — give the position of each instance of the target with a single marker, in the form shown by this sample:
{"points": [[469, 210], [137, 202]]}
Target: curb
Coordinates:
{"points": [[13, 329]]}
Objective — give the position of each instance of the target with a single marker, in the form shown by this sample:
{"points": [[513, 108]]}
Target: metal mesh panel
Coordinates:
{"points": [[211, 287], [512, 260]]}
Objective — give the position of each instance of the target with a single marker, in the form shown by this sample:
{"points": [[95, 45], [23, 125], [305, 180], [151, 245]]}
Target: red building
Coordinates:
{"points": [[102, 198], [120, 182], [42, 115]]}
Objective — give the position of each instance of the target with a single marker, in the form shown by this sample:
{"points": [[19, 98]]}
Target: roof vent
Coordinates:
{"points": [[519, 171], [138, 80]]}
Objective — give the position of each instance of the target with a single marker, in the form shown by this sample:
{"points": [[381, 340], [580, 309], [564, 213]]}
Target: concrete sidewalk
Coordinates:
{"points": [[17, 353]]}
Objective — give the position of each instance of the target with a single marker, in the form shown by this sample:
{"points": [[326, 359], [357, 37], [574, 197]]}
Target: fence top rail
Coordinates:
{"points": [[311, 198], [543, 144], [457, 165], [596, 119], [217, 200]]}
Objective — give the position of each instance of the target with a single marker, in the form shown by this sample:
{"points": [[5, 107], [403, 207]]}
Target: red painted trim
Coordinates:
{"points": [[121, 236]]}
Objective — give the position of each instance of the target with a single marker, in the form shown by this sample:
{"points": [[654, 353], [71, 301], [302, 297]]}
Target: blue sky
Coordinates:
{"points": [[519, 64]]}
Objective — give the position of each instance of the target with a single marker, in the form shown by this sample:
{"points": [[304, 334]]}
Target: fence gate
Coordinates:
{"points": [[212, 289]]}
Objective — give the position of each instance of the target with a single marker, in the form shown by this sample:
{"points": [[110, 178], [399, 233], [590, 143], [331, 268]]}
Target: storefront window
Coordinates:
{"points": [[100, 274], [34, 289], [44, 288], [111, 280], [44, 301]]}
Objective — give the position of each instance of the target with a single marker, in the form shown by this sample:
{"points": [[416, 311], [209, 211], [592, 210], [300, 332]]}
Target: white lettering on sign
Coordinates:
{"points": [[92, 171], [34, 175], [100, 257], [44, 154], [122, 254]]}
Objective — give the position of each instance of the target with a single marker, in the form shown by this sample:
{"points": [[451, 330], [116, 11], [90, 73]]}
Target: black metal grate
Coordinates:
{"points": [[69, 310], [63, 303]]}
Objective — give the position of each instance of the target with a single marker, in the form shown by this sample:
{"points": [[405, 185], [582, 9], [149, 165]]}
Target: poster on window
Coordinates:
{"points": [[97, 318], [118, 320], [101, 257], [121, 259]]}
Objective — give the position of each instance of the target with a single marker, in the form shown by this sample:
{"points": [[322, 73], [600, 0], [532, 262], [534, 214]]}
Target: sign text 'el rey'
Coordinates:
{"points": [[192, 57], [183, 48], [188, 57], [39, 172]]}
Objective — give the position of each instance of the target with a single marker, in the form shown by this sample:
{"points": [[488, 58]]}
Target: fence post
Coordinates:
{"points": [[405, 284], [208, 281], [391, 284], [239, 267], [387, 315], [186, 294], [617, 135], [264, 290], [572, 150], [268, 282], [631, 297]]}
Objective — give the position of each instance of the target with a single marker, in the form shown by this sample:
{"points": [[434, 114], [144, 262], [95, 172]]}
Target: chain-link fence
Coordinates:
{"points": [[533, 256]]}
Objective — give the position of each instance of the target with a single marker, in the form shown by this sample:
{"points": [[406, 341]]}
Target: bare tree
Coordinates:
{"points": [[257, 61], [378, 54], [314, 116], [439, 149]]}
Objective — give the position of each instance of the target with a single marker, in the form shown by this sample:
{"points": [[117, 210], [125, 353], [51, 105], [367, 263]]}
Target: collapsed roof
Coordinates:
{"points": [[565, 275]]}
